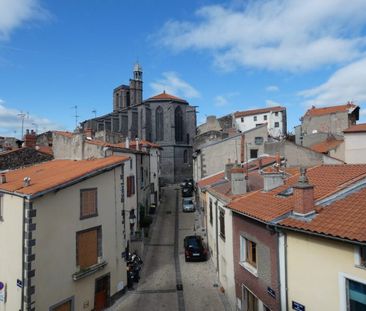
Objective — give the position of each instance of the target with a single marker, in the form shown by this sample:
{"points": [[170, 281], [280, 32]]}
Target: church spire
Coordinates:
{"points": [[137, 72]]}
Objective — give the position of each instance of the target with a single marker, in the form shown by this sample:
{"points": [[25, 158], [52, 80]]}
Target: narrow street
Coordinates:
{"points": [[165, 269]]}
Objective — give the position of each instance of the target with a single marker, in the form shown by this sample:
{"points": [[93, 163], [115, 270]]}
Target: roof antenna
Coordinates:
{"points": [[76, 116]]}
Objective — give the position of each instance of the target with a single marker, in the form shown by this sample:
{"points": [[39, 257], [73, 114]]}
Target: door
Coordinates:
{"points": [[101, 299]]}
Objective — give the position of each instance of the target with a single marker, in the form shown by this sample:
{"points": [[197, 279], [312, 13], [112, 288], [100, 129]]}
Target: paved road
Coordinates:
{"points": [[164, 266]]}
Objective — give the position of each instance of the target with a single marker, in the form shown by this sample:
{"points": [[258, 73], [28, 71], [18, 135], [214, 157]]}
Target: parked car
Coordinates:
{"points": [[187, 192], [188, 205], [187, 183], [194, 249]]}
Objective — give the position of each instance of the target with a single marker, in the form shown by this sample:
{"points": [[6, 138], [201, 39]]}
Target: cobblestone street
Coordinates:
{"points": [[164, 266]]}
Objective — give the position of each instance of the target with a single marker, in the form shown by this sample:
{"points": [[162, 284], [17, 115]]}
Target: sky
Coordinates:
{"points": [[222, 56]]}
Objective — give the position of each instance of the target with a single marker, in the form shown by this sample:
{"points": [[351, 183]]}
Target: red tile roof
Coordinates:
{"points": [[245, 113], [56, 173], [357, 128], [327, 179], [210, 180], [45, 149], [64, 133], [164, 97], [345, 218], [326, 145], [313, 111]]}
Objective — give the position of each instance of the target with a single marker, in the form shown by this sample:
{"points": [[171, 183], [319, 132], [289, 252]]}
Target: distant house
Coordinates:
{"points": [[66, 227], [274, 117], [318, 123], [355, 144]]}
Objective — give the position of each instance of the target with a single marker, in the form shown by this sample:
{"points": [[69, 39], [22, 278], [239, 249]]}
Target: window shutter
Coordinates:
{"points": [[87, 248]]}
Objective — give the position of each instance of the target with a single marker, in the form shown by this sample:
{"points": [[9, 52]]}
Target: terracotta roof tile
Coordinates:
{"points": [[326, 145], [345, 218], [356, 128], [64, 133], [165, 96], [245, 113], [327, 179], [210, 180], [48, 175], [313, 111]]}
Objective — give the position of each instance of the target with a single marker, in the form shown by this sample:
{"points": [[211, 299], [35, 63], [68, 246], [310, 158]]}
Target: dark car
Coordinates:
{"points": [[194, 249], [187, 192]]}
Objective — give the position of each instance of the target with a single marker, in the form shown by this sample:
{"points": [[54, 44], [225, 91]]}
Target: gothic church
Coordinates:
{"points": [[163, 119]]}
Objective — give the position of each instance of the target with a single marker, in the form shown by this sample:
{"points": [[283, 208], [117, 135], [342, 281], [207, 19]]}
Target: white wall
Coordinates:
{"points": [[355, 148], [249, 123], [11, 230]]}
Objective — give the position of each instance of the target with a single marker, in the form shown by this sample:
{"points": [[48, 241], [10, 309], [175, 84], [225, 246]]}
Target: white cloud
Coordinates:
{"points": [[14, 13], [174, 85], [272, 103], [274, 34], [225, 99], [272, 88], [11, 125], [346, 84], [363, 112]]}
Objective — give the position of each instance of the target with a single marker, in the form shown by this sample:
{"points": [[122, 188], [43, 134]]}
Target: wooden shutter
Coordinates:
{"points": [[87, 248], [64, 307], [88, 204]]}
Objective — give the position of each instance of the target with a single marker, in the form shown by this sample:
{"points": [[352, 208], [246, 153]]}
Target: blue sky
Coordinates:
{"points": [[222, 56]]}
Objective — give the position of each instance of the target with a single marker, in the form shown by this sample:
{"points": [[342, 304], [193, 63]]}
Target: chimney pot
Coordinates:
{"points": [[304, 195], [26, 181], [2, 178]]}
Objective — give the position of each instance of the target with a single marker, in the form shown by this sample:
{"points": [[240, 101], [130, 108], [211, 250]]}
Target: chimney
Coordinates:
{"points": [[30, 139], [2, 178], [137, 143], [277, 165], [26, 181], [238, 180], [127, 144], [272, 180], [228, 167], [304, 195]]}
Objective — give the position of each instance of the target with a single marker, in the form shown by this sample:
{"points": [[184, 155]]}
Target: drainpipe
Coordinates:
{"points": [[217, 241], [23, 256]]}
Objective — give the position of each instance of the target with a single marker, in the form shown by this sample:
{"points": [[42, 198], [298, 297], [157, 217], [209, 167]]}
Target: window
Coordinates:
{"points": [[222, 223], [159, 122], [88, 203], [1, 208], [248, 252], [356, 296], [250, 301], [142, 176], [255, 118], [253, 153], [277, 124], [210, 211], [130, 185], [88, 247], [185, 156], [276, 114], [258, 140], [265, 117], [131, 164], [362, 255], [178, 118], [242, 120]]}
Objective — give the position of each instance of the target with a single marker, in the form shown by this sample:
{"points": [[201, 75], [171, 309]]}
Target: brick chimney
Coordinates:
{"points": [[238, 180], [228, 167], [30, 139], [304, 195]]}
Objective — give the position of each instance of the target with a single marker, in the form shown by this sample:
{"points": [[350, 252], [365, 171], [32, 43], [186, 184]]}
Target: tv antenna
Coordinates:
{"points": [[22, 116], [76, 116], [94, 111]]}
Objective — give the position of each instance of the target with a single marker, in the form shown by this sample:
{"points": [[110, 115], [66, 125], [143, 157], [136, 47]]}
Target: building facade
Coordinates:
{"points": [[163, 119], [355, 144]]}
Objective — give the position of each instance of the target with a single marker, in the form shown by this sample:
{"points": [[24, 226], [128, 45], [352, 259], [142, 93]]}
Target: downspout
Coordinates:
{"points": [[23, 256], [282, 269], [217, 242]]}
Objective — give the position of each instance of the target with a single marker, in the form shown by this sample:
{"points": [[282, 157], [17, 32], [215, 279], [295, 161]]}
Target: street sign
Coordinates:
{"points": [[297, 306], [271, 292], [2, 292], [19, 283]]}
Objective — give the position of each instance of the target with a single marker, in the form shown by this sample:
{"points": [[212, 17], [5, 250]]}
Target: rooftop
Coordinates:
{"points": [[313, 111], [166, 97], [54, 174], [245, 113], [358, 128], [327, 145], [327, 180]]}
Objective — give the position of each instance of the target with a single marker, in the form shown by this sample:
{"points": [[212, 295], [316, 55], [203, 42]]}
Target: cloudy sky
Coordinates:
{"points": [[222, 56]]}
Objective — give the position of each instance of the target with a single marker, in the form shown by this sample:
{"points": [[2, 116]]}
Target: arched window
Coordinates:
{"points": [[185, 156], [159, 119], [178, 118]]}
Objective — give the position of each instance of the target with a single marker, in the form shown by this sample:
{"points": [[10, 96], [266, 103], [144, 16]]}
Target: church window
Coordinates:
{"points": [[159, 123], [178, 118]]}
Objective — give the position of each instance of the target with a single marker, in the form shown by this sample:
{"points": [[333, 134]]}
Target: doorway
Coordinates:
{"points": [[102, 291]]}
